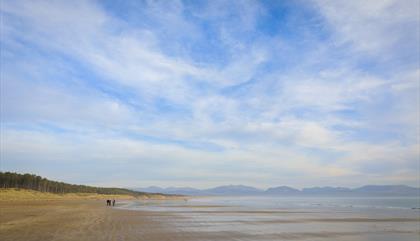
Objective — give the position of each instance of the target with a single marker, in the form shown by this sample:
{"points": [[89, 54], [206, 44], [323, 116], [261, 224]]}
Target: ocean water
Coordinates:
{"points": [[289, 218]]}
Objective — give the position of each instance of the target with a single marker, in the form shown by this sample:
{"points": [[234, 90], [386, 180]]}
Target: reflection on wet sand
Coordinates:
{"points": [[191, 221], [207, 221]]}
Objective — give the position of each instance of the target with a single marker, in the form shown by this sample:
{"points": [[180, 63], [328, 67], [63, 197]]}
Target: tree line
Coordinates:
{"points": [[38, 183]]}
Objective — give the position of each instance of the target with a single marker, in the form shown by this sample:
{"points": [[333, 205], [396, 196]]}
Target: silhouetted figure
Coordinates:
{"points": [[108, 202], [113, 202]]}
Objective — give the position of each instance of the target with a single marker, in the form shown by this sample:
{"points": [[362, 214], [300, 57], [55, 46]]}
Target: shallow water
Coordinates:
{"points": [[291, 218]]}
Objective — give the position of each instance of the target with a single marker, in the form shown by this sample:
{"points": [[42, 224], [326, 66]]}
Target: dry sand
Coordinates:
{"points": [[88, 220], [77, 220]]}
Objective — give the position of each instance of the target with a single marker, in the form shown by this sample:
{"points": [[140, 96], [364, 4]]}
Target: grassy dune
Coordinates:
{"points": [[11, 194]]}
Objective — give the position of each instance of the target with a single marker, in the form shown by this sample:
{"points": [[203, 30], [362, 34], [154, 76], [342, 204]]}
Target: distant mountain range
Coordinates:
{"points": [[241, 190]]}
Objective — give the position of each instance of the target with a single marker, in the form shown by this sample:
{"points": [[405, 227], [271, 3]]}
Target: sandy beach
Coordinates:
{"points": [[91, 220], [209, 120], [77, 220], [87, 220]]}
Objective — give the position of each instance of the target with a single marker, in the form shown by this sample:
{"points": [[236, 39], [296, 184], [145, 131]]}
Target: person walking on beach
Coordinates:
{"points": [[108, 202], [113, 202]]}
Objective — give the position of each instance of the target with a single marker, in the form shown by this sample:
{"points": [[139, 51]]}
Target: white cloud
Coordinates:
{"points": [[287, 122], [374, 27], [29, 102], [330, 90]]}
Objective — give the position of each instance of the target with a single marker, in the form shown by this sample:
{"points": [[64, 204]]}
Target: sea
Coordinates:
{"points": [[262, 218]]}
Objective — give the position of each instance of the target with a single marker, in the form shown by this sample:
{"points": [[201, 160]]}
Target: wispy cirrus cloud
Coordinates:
{"points": [[288, 93]]}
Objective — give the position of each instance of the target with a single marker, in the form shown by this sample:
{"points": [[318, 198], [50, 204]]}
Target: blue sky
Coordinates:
{"points": [[205, 93]]}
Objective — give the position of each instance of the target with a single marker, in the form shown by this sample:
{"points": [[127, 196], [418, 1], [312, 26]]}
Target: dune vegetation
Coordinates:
{"points": [[15, 186], [10, 194]]}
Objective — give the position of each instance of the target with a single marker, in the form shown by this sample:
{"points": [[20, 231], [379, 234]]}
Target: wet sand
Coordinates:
{"points": [[91, 220]]}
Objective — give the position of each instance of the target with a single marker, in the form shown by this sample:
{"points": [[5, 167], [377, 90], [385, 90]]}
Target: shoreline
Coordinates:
{"points": [[92, 220]]}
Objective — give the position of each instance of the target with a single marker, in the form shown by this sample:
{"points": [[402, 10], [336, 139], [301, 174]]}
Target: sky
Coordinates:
{"points": [[206, 93]]}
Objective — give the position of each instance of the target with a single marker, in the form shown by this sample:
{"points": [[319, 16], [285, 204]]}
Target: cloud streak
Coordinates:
{"points": [[258, 93]]}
